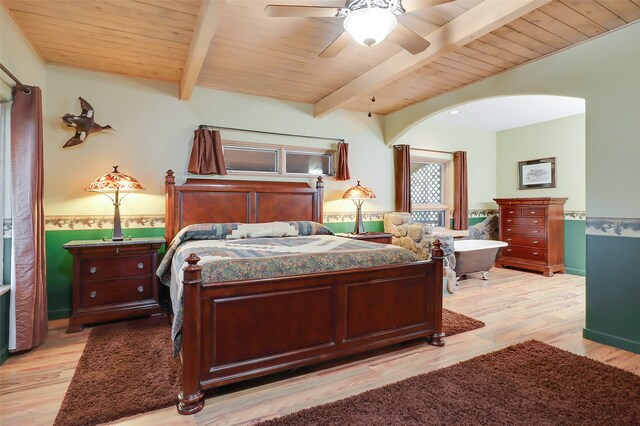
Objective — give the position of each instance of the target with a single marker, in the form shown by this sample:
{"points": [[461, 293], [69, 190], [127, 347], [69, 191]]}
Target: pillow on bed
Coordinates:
{"points": [[261, 230], [305, 227]]}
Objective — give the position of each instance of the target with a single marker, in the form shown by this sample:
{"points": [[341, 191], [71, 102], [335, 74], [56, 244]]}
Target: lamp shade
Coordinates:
{"points": [[358, 192], [370, 25], [113, 181]]}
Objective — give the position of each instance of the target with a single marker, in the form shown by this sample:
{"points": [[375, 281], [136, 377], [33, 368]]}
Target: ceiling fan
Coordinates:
{"points": [[367, 21]]}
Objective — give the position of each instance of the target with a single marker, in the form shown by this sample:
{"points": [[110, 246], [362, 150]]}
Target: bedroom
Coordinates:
{"points": [[143, 110]]}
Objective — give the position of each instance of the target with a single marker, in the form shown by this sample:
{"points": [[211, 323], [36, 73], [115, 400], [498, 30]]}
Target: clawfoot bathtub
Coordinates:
{"points": [[476, 256]]}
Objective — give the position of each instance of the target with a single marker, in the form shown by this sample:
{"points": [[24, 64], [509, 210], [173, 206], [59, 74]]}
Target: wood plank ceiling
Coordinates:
{"points": [[278, 57]]}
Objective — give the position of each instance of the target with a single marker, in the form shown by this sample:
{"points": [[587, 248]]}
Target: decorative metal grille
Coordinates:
{"points": [[433, 217], [426, 183]]}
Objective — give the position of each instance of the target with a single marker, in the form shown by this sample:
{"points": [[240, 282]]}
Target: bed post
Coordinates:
{"points": [[437, 256], [169, 190], [191, 398], [320, 199]]}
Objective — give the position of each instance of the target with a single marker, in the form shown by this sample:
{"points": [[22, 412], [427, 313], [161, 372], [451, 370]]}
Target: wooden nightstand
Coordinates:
{"points": [[113, 280], [374, 237]]}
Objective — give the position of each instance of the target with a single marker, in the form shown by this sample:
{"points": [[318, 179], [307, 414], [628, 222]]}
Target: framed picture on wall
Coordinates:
{"points": [[539, 173]]}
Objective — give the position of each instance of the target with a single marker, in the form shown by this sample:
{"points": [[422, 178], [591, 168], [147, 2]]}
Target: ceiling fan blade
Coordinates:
{"points": [[282, 11], [412, 5], [408, 40], [336, 45]]}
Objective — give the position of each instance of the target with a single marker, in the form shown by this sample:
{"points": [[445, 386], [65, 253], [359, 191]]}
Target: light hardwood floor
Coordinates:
{"points": [[515, 306]]}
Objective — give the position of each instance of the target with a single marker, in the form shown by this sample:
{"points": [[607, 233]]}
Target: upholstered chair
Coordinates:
{"points": [[485, 230], [419, 237]]}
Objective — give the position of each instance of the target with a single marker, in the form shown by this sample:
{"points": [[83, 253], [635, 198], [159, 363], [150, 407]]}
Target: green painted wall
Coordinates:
{"points": [[60, 262], [4, 327], [575, 246], [613, 316]]}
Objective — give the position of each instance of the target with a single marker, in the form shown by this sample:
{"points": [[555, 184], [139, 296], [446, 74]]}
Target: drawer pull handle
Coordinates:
{"points": [[536, 242], [93, 294], [509, 250], [510, 211], [117, 250], [535, 232], [535, 253], [533, 212], [509, 229], [536, 221], [509, 220], [509, 239], [140, 265], [140, 289], [93, 270]]}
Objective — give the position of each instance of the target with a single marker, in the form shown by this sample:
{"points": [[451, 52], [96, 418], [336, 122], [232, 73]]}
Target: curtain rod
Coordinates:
{"points": [[24, 88], [204, 126], [432, 150]]}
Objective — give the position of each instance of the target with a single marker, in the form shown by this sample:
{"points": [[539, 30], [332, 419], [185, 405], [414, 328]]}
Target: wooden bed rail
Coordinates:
{"points": [[403, 280]]}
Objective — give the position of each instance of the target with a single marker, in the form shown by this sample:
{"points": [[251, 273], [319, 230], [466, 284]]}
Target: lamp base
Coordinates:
{"points": [[359, 227], [123, 238]]}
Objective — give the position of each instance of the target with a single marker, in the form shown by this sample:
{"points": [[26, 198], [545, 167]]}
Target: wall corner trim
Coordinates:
{"points": [[608, 339]]}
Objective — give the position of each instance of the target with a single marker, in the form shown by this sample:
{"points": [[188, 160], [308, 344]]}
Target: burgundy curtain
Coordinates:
{"points": [[460, 192], [28, 219], [206, 154], [402, 177], [342, 171]]}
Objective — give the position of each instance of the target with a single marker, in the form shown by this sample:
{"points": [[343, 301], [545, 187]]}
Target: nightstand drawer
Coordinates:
{"points": [[97, 293], [518, 240], [114, 267], [532, 231], [524, 252]]}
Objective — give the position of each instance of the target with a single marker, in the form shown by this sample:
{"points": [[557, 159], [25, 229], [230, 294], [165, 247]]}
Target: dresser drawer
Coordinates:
{"points": [[533, 211], [524, 252], [96, 293], [510, 211], [529, 221], [519, 240], [532, 231], [114, 267]]}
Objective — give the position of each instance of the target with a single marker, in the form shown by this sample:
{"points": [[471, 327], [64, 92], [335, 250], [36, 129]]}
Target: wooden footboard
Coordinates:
{"points": [[237, 330]]}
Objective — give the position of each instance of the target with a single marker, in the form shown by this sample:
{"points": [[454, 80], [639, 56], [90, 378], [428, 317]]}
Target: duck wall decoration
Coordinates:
{"points": [[83, 123]]}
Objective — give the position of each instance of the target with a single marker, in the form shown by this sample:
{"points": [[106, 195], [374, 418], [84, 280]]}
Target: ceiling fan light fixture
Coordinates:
{"points": [[370, 25]]}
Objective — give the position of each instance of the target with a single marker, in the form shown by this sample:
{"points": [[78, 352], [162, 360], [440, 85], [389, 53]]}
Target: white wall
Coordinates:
{"points": [[17, 55], [563, 139], [154, 133], [606, 73], [481, 155]]}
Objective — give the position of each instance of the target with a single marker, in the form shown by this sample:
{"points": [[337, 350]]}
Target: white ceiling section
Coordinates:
{"points": [[496, 114]]}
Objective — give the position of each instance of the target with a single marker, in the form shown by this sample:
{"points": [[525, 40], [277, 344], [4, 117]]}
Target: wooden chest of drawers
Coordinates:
{"points": [[534, 230], [113, 280]]}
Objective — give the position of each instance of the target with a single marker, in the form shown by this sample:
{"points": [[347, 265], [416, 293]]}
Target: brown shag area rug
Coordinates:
{"points": [[530, 383], [126, 368], [455, 323]]}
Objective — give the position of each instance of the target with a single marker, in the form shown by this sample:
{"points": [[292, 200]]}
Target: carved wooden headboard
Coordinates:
{"points": [[223, 201]]}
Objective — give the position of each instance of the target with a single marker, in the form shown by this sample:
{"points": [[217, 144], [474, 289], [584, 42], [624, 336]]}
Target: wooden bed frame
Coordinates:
{"points": [[238, 330]]}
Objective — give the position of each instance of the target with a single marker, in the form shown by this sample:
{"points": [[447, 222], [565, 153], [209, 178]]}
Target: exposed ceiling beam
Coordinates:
{"points": [[472, 24], [210, 11]]}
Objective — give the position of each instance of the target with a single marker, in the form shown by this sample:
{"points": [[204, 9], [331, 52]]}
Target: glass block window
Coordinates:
{"points": [[426, 183]]}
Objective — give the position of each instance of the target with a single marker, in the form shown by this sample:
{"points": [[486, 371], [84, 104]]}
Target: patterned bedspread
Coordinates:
{"points": [[254, 258]]}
